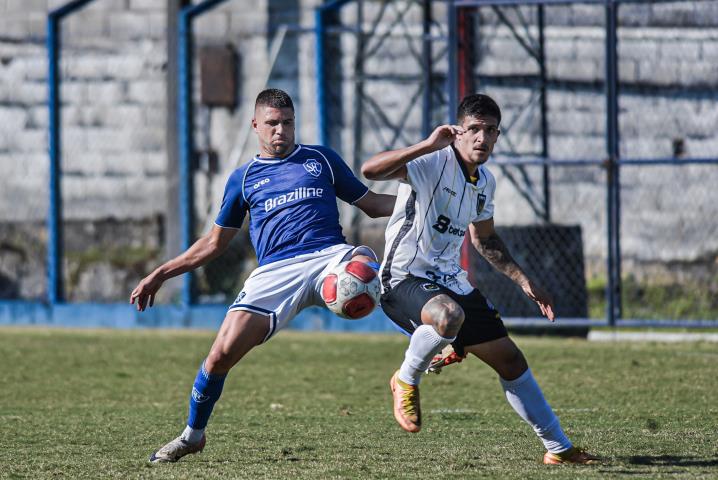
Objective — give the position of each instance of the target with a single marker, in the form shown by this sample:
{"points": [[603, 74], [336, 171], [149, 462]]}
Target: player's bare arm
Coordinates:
{"points": [[488, 243], [207, 248], [391, 165], [376, 204]]}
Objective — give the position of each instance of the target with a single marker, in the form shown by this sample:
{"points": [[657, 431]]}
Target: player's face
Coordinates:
{"points": [[477, 142], [275, 130]]}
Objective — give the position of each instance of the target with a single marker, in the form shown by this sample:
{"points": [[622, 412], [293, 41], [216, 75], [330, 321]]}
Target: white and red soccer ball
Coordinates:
{"points": [[351, 289]]}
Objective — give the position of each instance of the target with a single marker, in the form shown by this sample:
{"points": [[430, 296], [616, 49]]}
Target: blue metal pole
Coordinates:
{"points": [[613, 187], [185, 124], [54, 216], [427, 69], [184, 64], [453, 74], [544, 114], [54, 230], [322, 104]]}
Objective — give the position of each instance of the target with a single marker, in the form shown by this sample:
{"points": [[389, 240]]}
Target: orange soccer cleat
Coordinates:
{"points": [[572, 455], [407, 408]]}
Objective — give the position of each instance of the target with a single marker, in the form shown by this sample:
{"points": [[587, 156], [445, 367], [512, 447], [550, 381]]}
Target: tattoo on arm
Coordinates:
{"points": [[493, 249]]}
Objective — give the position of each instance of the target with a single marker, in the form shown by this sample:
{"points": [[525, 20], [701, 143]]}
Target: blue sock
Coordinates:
{"points": [[205, 392]]}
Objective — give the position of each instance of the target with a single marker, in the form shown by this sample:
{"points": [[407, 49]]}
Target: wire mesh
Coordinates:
{"points": [[669, 242], [24, 168], [112, 89]]}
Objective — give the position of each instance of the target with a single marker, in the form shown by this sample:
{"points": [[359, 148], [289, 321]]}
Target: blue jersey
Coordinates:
{"points": [[291, 201]]}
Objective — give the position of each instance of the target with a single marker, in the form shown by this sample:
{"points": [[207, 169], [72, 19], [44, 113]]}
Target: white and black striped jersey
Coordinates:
{"points": [[434, 207]]}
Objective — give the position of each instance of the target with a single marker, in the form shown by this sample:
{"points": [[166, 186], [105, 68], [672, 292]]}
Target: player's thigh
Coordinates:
{"points": [[482, 322], [503, 355], [405, 303], [240, 332]]}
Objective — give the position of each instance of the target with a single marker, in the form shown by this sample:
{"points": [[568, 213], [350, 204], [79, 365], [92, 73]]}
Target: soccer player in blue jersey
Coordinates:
{"points": [[290, 193]]}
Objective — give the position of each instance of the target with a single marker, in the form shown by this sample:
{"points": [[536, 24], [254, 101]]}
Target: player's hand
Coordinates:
{"points": [[144, 293], [542, 298], [443, 136]]}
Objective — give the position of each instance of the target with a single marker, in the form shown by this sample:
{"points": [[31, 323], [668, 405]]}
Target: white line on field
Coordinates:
{"points": [[615, 336]]}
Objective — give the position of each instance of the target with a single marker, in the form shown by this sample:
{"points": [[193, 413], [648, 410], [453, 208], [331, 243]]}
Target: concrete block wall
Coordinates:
{"points": [[665, 49], [114, 99]]}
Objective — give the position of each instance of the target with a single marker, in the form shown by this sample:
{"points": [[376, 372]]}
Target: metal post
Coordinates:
{"points": [[55, 276], [544, 115], [322, 104], [186, 148], [465, 54], [452, 76], [427, 70], [172, 222], [358, 131], [613, 188], [185, 125], [54, 228]]}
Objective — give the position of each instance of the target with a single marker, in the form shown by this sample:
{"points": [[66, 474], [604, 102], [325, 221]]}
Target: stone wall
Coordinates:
{"points": [[114, 111]]}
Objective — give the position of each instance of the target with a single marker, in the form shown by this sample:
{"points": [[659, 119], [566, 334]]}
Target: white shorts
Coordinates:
{"points": [[282, 289]]}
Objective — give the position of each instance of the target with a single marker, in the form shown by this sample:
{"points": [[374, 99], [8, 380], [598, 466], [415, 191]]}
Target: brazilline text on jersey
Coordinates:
{"points": [[293, 196]]}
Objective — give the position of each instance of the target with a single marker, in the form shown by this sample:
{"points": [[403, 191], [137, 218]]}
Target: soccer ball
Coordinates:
{"points": [[351, 289]]}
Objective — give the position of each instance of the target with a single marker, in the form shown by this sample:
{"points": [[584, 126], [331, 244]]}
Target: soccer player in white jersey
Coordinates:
{"points": [[290, 193], [446, 191]]}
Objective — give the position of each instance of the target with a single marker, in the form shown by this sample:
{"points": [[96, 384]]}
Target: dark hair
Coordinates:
{"points": [[275, 98], [476, 105]]}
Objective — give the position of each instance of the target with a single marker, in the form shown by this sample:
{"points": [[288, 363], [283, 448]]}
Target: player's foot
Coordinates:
{"points": [[407, 409], [572, 455], [442, 359], [177, 449]]}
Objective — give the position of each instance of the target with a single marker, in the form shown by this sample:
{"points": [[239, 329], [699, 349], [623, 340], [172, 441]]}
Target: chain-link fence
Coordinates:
{"points": [[23, 163], [388, 75], [547, 67], [112, 149]]}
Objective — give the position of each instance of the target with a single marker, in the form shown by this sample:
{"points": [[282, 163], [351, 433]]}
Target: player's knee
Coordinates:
{"points": [[444, 314], [218, 361], [513, 364]]}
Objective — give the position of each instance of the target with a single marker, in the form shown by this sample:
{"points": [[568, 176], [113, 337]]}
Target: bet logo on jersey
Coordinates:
{"points": [[443, 224], [313, 167]]}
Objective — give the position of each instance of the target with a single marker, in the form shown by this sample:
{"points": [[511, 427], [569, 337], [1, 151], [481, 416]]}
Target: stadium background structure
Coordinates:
{"points": [[459, 82]]}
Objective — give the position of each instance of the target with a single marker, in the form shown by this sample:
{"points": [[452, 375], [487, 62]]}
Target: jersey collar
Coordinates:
{"points": [[464, 170], [297, 147]]}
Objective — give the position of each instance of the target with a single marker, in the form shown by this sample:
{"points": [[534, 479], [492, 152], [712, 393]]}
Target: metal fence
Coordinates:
{"points": [[605, 165]]}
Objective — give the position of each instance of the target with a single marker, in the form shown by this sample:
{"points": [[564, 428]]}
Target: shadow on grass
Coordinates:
{"points": [[673, 461]]}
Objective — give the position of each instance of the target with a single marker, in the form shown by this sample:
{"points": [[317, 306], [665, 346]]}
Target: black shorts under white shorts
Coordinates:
{"points": [[482, 322]]}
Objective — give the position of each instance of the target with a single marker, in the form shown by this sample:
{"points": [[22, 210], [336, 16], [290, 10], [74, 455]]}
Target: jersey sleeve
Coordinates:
{"points": [[487, 211], [420, 170], [234, 206], [346, 185]]}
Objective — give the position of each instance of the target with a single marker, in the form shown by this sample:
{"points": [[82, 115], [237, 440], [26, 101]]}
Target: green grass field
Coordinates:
{"points": [[94, 404]]}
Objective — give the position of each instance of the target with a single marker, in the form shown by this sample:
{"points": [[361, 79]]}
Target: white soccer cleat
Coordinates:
{"points": [[177, 449]]}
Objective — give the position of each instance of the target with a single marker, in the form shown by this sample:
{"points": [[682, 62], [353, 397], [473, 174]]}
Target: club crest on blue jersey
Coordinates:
{"points": [[313, 167], [480, 202]]}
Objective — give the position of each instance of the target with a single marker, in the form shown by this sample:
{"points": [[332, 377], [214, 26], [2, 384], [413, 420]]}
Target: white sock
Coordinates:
{"points": [[424, 344], [527, 400], [192, 435]]}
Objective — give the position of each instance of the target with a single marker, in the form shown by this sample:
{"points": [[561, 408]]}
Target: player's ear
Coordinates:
{"points": [[254, 124]]}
